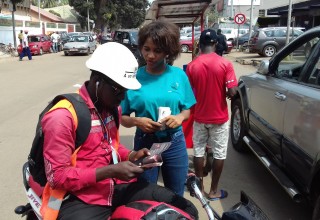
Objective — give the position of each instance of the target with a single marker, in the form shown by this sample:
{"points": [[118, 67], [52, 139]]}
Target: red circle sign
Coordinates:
{"points": [[239, 18]]}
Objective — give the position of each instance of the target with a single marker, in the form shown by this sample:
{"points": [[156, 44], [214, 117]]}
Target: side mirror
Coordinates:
{"points": [[264, 67]]}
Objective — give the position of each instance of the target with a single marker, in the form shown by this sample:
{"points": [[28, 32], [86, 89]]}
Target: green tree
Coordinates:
{"points": [[112, 13]]}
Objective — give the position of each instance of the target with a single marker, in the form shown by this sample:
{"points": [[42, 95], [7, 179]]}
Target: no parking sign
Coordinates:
{"points": [[239, 18]]}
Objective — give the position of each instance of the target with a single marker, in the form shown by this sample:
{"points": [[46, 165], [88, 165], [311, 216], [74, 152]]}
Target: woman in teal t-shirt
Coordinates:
{"points": [[162, 86]]}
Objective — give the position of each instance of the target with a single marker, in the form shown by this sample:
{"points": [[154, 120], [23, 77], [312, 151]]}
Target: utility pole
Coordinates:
{"points": [[232, 14], [251, 15], [289, 21], [39, 10], [14, 25], [88, 17]]}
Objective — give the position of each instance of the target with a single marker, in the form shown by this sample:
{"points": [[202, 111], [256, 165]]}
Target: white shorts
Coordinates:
{"points": [[212, 135]]}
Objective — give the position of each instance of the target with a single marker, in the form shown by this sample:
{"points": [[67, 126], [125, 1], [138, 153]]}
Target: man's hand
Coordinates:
{"points": [[123, 171], [136, 155], [147, 125]]}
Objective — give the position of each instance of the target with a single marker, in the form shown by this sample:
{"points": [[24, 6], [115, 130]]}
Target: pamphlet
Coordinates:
{"points": [[154, 159], [162, 113]]}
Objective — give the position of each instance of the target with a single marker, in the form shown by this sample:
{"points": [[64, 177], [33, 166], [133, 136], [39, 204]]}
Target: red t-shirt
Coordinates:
{"points": [[210, 75]]}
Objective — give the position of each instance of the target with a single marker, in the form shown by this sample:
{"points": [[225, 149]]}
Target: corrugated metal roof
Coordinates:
{"points": [[178, 11], [46, 14]]}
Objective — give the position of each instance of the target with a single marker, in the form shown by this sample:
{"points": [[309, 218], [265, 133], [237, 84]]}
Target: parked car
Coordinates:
{"points": [[275, 114], [64, 38], [71, 34], [106, 37], [242, 40], [267, 41], [38, 44], [129, 38], [188, 36], [80, 44]]}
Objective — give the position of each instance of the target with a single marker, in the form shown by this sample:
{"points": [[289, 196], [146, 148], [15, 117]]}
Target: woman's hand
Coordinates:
{"points": [[147, 125], [173, 121]]}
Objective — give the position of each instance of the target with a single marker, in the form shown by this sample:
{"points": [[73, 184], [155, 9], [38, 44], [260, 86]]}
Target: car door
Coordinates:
{"points": [[46, 43], [280, 36], [267, 103], [301, 136]]}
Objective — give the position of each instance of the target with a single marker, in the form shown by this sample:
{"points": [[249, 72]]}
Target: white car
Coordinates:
{"points": [[232, 33], [80, 44]]}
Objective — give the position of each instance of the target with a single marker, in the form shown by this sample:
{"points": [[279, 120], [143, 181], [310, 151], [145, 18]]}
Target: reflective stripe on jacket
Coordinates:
{"points": [[52, 198]]}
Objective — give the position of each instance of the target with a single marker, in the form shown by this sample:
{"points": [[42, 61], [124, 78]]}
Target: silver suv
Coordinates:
{"points": [[276, 114], [267, 41]]}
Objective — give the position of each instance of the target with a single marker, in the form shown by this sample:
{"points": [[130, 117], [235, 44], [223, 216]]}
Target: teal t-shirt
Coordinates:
{"points": [[169, 89]]}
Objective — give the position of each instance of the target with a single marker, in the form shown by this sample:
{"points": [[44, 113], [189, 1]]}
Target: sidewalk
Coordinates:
{"points": [[6, 57]]}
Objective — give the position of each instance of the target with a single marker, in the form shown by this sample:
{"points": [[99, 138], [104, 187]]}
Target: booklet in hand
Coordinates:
{"points": [[154, 159]]}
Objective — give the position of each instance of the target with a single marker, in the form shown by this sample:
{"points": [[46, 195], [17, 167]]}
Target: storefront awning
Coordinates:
{"points": [[183, 12]]}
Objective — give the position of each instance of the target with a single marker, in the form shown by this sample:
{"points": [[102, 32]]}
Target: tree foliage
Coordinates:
{"points": [[112, 13]]}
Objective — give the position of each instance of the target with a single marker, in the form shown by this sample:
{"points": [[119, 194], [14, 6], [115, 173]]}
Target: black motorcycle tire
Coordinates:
{"points": [[31, 216]]}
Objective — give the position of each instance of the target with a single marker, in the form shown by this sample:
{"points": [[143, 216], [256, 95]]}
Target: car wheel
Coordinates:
{"points": [[269, 51], [89, 51], [41, 51], [316, 210], [184, 48], [66, 53], [245, 45], [237, 129]]}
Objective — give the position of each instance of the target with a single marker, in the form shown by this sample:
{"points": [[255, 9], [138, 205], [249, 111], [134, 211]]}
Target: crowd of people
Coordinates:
{"points": [[104, 174]]}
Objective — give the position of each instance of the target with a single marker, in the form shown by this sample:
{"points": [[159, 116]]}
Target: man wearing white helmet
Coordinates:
{"points": [[99, 181]]}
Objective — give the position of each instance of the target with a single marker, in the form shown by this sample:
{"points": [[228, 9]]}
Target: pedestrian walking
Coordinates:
{"points": [[25, 47], [20, 36], [209, 81], [55, 37], [166, 86], [222, 43]]}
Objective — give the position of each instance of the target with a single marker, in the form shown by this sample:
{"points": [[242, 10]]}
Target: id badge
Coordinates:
{"points": [[114, 156]]}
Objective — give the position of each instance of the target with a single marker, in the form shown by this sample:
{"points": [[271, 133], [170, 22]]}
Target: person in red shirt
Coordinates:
{"points": [[98, 183], [213, 79]]}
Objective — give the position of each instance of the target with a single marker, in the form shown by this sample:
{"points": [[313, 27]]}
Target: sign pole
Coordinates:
{"points": [[237, 46], [250, 27]]}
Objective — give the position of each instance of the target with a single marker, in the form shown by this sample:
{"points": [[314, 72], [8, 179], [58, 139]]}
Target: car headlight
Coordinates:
{"points": [[35, 46]]}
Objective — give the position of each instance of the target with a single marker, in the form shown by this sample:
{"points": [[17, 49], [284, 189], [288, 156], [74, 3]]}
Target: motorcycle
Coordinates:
{"points": [[246, 209]]}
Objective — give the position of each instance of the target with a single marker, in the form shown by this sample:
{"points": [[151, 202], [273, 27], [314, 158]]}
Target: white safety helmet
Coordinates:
{"points": [[117, 62]]}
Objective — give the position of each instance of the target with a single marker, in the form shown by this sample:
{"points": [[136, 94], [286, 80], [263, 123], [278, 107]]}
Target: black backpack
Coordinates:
{"points": [[35, 158]]}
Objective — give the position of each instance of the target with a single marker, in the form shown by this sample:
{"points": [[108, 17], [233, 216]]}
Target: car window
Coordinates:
{"points": [[226, 31], [118, 36], [134, 37], [80, 39], [269, 33], [34, 39], [292, 65], [314, 78], [280, 33]]}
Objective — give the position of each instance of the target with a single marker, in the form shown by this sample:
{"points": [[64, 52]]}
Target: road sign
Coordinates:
{"points": [[239, 18]]}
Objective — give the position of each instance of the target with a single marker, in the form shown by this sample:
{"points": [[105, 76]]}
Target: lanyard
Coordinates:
{"points": [[107, 136]]}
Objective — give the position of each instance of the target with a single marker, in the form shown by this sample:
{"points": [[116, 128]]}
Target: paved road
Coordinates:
{"points": [[27, 86]]}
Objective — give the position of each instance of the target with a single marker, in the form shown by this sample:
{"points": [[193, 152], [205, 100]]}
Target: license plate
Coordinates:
{"points": [[73, 49]]}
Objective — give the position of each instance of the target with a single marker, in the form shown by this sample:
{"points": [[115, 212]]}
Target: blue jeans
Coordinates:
{"points": [[25, 51], [175, 162]]}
